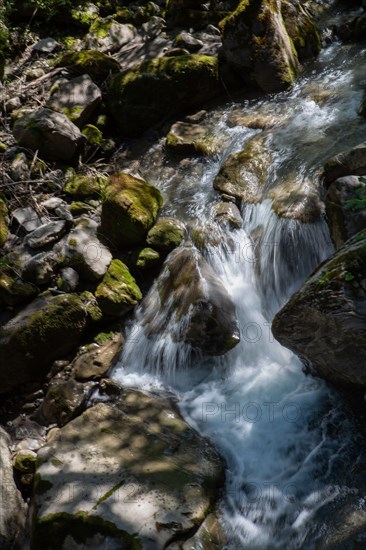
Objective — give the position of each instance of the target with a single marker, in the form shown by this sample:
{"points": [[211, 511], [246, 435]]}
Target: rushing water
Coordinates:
{"points": [[287, 438]]}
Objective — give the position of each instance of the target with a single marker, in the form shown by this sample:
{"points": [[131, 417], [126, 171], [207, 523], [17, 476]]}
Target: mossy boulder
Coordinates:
{"points": [[161, 88], [191, 140], [13, 289], [118, 292], [350, 162], [244, 174], [49, 328], [147, 258], [301, 29], [325, 321], [129, 210], [3, 222], [166, 235], [96, 64], [84, 185], [134, 476]]}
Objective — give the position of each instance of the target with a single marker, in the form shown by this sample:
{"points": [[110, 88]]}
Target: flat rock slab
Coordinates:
{"points": [[27, 218], [46, 234], [46, 45], [134, 475]]}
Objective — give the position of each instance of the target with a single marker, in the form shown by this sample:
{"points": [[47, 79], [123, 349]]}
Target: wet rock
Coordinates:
{"points": [[346, 208], [166, 234], [244, 174], [51, 133], [118, 292], [69, 279], [175, 84], [228, 213], [188, 41], [151, 477], [297, 199], [64, 400], [198, 310], [40, 268], [210, 536], [97, 65], [351, 162], [46, 45], [77, 99], [82, 250], [46, 234], [12, 507], [146, 259], [257, 121], [191, 139], [27, 219], [129, 210], [95, 362], [50, 327], [325, 321]]}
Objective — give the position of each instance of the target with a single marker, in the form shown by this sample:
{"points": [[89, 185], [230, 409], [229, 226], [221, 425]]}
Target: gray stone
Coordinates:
{"points": [[137, 465], [52, 203], [12, 505], [77, 99], [19, 169], [27, 218], [351, 162], [154, 26], [46, 234], [188, 41], [40, 269], [69, 279], [50, 133], [82, 250], [114, 36], [46, 45]]}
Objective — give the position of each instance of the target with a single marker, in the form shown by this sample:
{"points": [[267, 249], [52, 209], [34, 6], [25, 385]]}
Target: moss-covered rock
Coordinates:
{"points": [[301, 29], [129, 209], [244, 174], [146, 259], [166, 235], [13, 289], [191, 140], [84, 185], [118, 292], [47, 329], [325, 321], [3, 222], [96, 64], [160, 88]]}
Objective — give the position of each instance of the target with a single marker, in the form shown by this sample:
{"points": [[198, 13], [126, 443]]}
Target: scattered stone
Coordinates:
{"points": [[188, 41], [12, 104], [46, 45], [257, 121], [191, 139], [297, 198], [118, 293], [68, 280], [78, 99], [40, 269], [27, 219], [129, 210], [166, 234], [154, 478], [51, 133], [46, 234], [95, 362], [228, 213], [64, 400], [34, 73], [52, 203]]}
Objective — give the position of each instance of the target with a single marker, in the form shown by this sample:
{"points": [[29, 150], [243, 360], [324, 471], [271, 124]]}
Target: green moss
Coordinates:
{"points": [[73, 242], [104, 337], [50, 531], [81, 185], [100, 28], [77, 208], [118, 292], [96, 64], [147, 258], [91, 306], [93, 135], [73, 113], [165, 235], [25, 462], [3, 222], [109, 493]]}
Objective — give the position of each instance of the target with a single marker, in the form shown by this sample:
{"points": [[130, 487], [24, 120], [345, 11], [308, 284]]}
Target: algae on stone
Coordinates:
{"points": [[118, 292]]}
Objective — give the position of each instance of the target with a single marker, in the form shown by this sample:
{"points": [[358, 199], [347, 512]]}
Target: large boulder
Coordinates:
{"points": [[118, 292], [98, 65], [161, 88], [12, 506], [346, 208], [134, 475], [165, 235], [264, 39], [325, 321], [50, 133], [49, 328], [197, 308], [129, 210], [351, 162]]}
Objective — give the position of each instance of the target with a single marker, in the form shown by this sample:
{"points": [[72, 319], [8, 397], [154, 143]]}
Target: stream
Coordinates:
{"points": [[288, 440]]}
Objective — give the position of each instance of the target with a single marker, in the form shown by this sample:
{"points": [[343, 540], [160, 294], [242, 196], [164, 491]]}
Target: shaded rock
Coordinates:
{"points": [[190, 139], [118, 293], [51, 133], [106, 35], [301, 29], [80, 185], [346, 208], [351, 162], [46, 45], [46, 234], [19, 169], [27, 219], [82, 250], [228, 213], [64, 400], [188, 289], [95, 361], [12, 508], [3, 222], [146, 478], [154, 26], [297, 199], [325, 321], [175, 84], [129, 210], [244, 174], [68, 280], [77, 99], [25, 461], [40, 268], [166, 234], [210, 536], [47, 329], [145, 259], [96, 64], [13, 289], [188, 41]]}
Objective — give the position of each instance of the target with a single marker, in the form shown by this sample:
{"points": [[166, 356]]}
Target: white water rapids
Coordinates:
{"points": [[286, 437]]}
